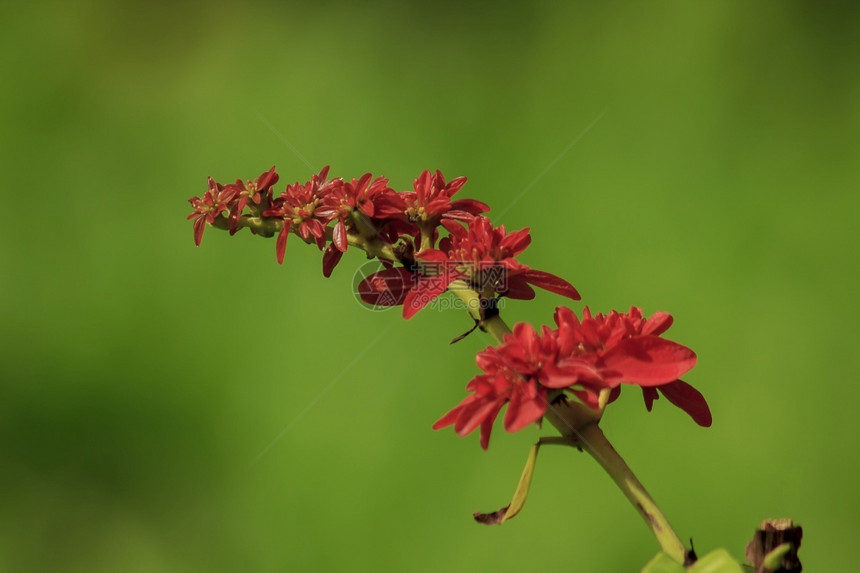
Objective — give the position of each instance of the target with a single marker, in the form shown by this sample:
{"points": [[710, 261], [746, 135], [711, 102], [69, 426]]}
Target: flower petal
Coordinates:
{"points": [[470, 206], [366, 207], [267, 179], [649, 394], [527, 405], [688, 399], [552, 283], [451, 225], [331, 257], [516, 241], [519, 289], [475, 412], [449, 418], [569, 371], [487, 427], [199, 227], [657, 323], [649, 360], [433, 255], [281, 243], [339, 236]]}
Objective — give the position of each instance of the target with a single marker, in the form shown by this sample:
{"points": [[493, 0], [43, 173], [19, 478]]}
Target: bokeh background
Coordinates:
{"points": [[698, 158]]}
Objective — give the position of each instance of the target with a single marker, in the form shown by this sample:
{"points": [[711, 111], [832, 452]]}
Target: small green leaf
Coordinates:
{"points": [[499, 516], [522, 492], [717, 561], [662, 563]]}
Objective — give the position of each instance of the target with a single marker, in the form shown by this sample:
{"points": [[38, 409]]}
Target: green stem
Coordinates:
{"points": [[270, 226], [426, 235], [496, 327], [267, 227], [582, 427]]}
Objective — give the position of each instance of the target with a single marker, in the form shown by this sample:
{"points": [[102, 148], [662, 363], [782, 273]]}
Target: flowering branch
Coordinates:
{"points": [[579, 425], [430, 243]]}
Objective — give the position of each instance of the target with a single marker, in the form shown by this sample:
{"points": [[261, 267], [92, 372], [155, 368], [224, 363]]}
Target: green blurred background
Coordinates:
{"points": [[142, 378]]}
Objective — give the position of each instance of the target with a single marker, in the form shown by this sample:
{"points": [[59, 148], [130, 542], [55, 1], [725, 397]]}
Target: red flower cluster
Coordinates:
{"points": [[325, 211], [300, 206], [344, 203], [430, 202], [252, 191], [216, 200], [583, 357], [309, 209], [427, 240]]}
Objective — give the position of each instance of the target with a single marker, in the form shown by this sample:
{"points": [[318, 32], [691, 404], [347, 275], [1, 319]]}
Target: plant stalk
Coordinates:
{"points": [[584, 431]]}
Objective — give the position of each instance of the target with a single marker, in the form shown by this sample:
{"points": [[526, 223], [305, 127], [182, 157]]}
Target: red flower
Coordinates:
{"points": [[215, 201], [581, 357], [619, 348], [342, 201], [484, 255], [300, 206], [511, 376], [677, 392], [346, 202], [604, 351], [252, 191], [430, 201]]}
